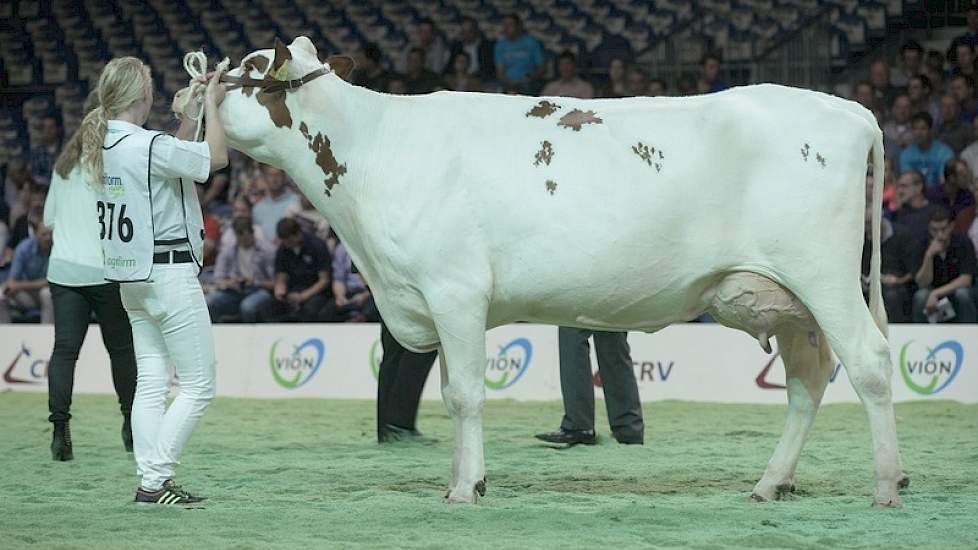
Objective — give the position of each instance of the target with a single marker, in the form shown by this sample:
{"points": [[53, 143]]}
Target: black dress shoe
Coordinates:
{"points": [[390, 433], [61, 442], [630, 441], [569, 437]]}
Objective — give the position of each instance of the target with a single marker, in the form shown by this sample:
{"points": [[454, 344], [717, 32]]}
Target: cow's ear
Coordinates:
{"points": [[280, 66], [342, 65]]}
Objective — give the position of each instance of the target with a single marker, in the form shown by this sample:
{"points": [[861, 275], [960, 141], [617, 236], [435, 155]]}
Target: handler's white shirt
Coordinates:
{"points": [[76, 259]]}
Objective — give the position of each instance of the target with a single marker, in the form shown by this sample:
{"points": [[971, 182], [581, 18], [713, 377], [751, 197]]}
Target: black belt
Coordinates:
{"points": [[173, 257]]}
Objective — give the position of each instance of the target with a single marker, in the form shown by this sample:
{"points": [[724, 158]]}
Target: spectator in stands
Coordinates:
{"points": [[954, 192], [617, 85], [23, 226], [16, 188], [896, 250], [971, 35], [268, 211], [46, 152], [897, 133], [215, 198], [241, 209], [518, 56], [461, 79], [945, 267], [349, 292], [418, 79], [26, 288], [914, 214], [370, 72], [657, 87], [911, 63], [963, 89], [311, 221], [863, 94], [956, 133], [934, 70], [637, 82], [568, 83], [478, 48], [891, 200], [302, 278], [396, 85], [970, 153], [709, 79], [925, 154], [972, 230], [434, 52], [879, 77], [963, 60], [244, 276], [921, 94]]}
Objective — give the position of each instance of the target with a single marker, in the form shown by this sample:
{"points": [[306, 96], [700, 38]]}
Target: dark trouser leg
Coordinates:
{"points": [[576, 380], [919, 301], [963, 300], [896, 300], [71, 313], [386, 377], [117, 337], [620, 387], [405, 398]]}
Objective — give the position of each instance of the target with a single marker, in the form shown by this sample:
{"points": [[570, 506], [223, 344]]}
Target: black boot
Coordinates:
{"points": [[127, 432], [61, 444]]}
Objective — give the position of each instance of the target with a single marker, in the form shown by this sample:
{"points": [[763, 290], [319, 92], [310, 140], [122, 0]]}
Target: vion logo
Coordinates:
{"points": [[509, 365], [931, 372], [25, 369], [293, 367]]}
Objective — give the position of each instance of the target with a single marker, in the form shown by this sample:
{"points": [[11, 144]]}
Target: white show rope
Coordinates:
{"points": [[195, 63]]}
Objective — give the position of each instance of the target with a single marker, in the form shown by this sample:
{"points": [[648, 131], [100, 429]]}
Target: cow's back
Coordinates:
{"points": [[623, 221]]}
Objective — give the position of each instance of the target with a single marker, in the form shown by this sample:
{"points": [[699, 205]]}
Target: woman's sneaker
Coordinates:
{"points": [[170, 495]]}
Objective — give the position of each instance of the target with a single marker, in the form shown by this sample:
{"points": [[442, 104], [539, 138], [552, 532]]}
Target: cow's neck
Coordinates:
{"points": [[349, 117]]}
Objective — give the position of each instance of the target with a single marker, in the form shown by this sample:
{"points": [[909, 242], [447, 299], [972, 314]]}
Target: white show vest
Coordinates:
{"points": [[129, 229]]}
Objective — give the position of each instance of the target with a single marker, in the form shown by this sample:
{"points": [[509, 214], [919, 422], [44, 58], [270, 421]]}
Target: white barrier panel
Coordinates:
{"points": [[692, 362]]}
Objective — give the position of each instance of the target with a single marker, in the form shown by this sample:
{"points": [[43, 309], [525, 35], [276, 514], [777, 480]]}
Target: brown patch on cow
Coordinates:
{"points": [[320, 145], [551, 186], [277, 109], [342, 65], [545, 154], [805, 151], [820, 159], [644, 152], [256, 62], [543, 109], [578, 118]]}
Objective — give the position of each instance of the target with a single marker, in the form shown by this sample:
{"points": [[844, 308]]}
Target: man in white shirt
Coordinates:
{"points": [[569, 84], [268, 211]]}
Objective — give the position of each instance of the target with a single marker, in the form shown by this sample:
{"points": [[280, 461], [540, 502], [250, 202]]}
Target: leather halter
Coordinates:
{"points": [[270, 85]]}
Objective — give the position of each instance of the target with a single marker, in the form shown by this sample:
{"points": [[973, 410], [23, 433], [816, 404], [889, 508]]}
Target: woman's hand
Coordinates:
{"points": [[215, 90]]}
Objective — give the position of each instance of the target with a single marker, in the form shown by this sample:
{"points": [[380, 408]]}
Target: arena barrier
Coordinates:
{"points": [[690, 362]]}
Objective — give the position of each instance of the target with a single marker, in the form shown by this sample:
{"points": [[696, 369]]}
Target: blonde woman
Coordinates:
{"points": [[151, 228], [76, 278]]}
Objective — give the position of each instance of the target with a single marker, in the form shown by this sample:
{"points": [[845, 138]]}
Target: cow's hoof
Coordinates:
{"points": [[903, 483], [768, 493], [892, 502], [461, 496]]}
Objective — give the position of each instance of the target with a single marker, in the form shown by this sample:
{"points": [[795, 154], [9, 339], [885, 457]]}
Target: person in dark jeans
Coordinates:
{"points": [[945, 268], [78, 288], [399, 385], [577, 386], [302, 278]]}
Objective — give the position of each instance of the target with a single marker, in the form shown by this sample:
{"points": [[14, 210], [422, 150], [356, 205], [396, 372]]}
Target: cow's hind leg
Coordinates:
{"points": [[863, 350], [808, 365], [463, 348]]}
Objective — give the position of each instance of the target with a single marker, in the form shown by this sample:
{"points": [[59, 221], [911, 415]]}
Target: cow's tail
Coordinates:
{"points": [[875, 288]]}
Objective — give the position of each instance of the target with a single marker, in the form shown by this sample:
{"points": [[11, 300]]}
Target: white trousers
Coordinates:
{"points": [[170, 322]]}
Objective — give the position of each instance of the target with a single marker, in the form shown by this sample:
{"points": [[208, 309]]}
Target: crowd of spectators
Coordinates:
{"points": [[270, 256]]}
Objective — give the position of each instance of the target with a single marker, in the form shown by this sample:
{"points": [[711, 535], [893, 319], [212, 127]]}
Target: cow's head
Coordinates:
{"points": [[253, 116]]}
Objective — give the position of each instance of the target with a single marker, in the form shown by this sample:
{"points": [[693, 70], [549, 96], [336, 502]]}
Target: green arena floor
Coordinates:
{"points": [[307, 474]]}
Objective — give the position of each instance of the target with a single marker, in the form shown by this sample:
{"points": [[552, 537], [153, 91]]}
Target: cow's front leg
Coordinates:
{"points": [[463, 348]]}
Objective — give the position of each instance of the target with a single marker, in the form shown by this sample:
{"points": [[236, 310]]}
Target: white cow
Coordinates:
{"points": [[468, 211]]}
